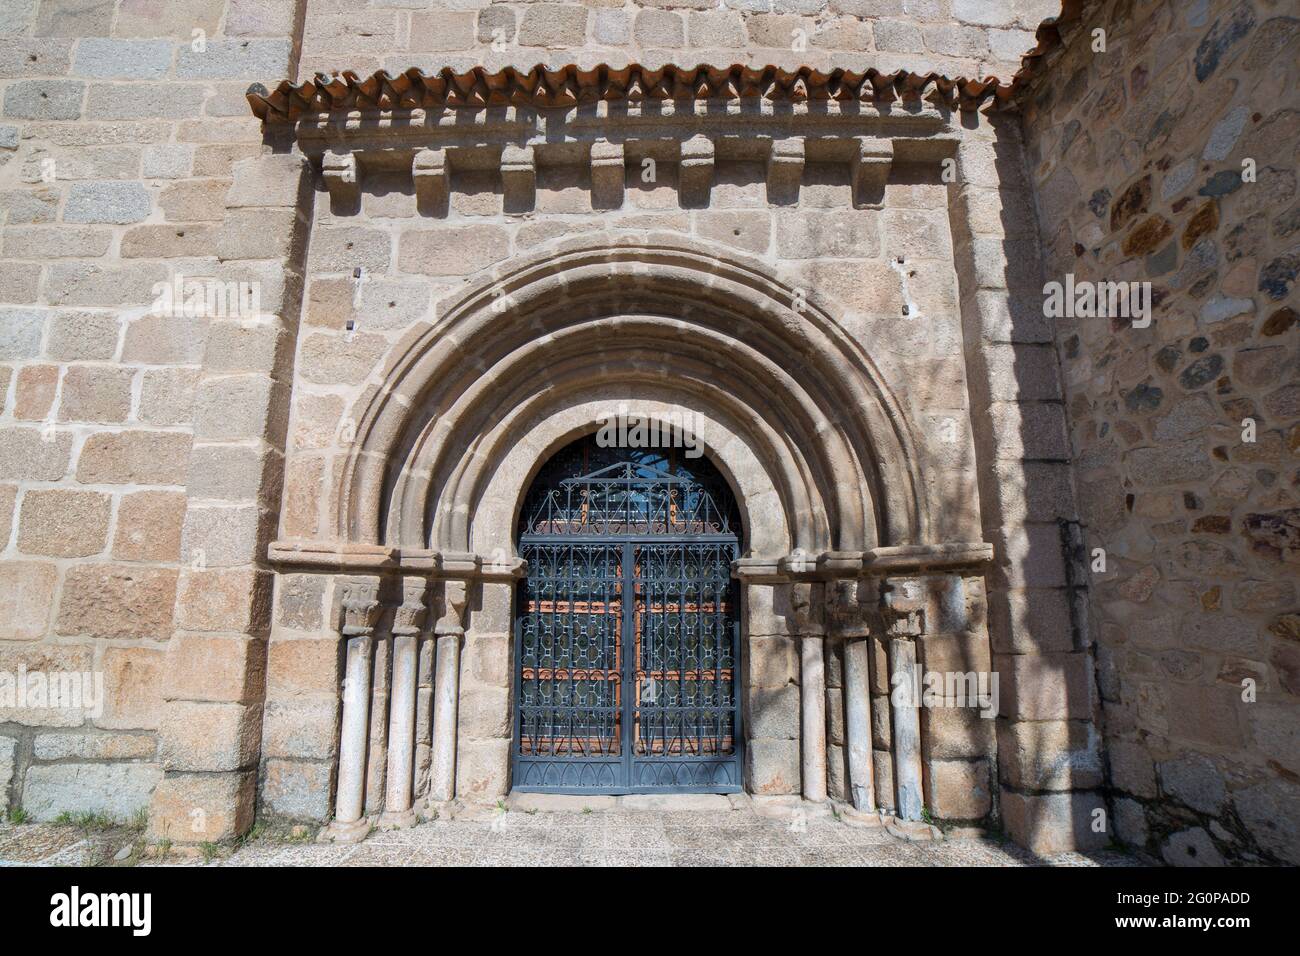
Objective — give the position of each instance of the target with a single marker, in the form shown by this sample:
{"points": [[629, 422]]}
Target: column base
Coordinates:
{"points": [[397, 820], [353, 831]]}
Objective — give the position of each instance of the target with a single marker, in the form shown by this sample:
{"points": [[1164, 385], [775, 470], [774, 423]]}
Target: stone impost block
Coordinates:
{"points": [[695, 174], [868, 170], [432, 179], [518, 178], [785, 165], [607, 174], [342, 179]]}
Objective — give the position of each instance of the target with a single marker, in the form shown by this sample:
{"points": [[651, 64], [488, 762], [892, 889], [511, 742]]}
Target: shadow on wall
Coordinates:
{"points": [[1049, 760]]}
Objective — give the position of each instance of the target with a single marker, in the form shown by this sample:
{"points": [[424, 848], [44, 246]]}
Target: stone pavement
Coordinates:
{"points": [[688, 831]]}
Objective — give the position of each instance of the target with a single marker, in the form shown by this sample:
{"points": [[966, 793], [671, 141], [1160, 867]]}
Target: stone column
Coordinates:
{"points": [[360, 613], [903, 614], [805, 600], [449, 631], [848, 607], [398, 811]]}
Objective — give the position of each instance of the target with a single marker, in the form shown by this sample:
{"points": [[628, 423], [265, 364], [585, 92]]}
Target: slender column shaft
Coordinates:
{"points": [[857, 705], [906, 719], [445, 692], [401, 728], [402, 705], [813, 700], [356, 721]]}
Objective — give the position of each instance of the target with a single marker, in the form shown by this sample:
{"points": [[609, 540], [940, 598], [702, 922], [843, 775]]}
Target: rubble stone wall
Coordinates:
{"points": [[1171, 158]]}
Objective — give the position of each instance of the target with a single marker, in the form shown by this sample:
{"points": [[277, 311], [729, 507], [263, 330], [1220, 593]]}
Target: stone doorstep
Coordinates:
{"points": [[569, 803]]}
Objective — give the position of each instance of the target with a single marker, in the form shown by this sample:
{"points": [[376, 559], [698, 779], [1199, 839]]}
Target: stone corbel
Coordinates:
{"points": [[608, 174], [785, 164], [869, 171], [343, 180], [518, 178], [432, 180], [695, 172]]}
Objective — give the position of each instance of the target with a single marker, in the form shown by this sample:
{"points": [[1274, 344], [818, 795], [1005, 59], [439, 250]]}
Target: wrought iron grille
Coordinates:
{"points": [[626, 677]]}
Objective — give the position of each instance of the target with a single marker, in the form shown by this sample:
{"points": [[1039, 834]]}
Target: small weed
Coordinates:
{"points": [[926, 817], [140, 819], [531, 812], [586, 810], [18, 815], [208, 851]]}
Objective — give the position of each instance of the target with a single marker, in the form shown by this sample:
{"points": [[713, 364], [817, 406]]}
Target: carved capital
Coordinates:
{"points": [[851, 604], [807, 608], [360, 606], [409, 618], [451, 619], [902, 607]]}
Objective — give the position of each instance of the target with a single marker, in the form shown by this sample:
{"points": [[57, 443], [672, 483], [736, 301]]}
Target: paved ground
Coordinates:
{"points": [[613, 836]]}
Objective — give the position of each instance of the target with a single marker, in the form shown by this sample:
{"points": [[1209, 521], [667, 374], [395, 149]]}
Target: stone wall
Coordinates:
{"points": [[120, 520], [147, 460], [952, 37], [885, 273], [1171, 158]]}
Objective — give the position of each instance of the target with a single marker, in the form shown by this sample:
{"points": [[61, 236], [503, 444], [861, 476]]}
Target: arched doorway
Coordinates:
{"points": [[626, 632]]}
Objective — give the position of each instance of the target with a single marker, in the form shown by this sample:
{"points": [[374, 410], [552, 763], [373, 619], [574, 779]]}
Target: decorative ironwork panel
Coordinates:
{"points": [[626, 636]]}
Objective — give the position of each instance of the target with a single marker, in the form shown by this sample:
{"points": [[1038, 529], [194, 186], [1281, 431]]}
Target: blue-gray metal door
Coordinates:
{"points": [[626, 636]]}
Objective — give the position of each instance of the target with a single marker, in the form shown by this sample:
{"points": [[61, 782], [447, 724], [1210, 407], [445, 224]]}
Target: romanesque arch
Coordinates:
{"points": [[660, 313]]}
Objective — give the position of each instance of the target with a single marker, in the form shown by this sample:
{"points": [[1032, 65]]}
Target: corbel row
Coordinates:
{"points": [[869, 161]]}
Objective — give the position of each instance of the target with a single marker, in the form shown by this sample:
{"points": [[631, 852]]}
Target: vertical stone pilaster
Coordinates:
{"points": [[1040, 646], [223, 606]]}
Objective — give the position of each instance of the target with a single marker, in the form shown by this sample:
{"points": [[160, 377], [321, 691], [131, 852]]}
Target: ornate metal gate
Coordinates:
{"points": [[626, 635]]}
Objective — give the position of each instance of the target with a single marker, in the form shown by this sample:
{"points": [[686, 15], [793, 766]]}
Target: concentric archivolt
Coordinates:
{"points": [[795, 412]]}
